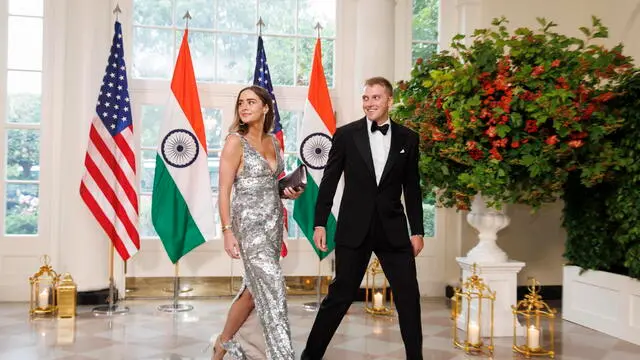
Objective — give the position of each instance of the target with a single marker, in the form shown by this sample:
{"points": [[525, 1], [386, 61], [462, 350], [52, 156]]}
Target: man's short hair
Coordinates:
{"points": [[379, 80]]}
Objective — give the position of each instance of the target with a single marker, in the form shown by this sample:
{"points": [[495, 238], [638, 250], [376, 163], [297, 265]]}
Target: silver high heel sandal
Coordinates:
{"points": [[231, 347]]}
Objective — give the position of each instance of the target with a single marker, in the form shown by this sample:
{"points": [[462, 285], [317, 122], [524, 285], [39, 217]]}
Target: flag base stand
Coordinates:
{"points": [[111, 308], [184, 290], [175, 307], [312, 306]]}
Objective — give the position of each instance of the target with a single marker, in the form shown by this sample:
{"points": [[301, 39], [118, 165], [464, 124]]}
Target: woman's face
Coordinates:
{"points": [[250, 108]]}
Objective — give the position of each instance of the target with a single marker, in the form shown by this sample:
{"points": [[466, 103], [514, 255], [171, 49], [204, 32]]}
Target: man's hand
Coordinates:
{"points": [[416, 241], [320, 238]]}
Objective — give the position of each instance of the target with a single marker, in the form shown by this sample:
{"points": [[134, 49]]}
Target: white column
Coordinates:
{"points": [[82, 245], [469, 17], [374, 46], [503, 279]]}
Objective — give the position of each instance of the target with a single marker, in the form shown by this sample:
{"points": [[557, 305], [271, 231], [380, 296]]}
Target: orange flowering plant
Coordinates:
{"points": [[512, 114]]}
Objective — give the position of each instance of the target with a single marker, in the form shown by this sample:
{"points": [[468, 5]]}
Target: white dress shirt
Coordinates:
{"points": [[380, 145]]}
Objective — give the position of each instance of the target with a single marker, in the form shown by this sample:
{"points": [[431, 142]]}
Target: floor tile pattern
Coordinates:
{"points": [[146, 333]]}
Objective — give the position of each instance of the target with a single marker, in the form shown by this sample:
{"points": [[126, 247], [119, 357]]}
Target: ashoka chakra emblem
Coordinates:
{"points": [[314, 150], [180, 148]]}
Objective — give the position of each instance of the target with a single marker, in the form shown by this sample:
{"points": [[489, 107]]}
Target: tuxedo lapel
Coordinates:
{"points": [[361, 138], [397, 140]]}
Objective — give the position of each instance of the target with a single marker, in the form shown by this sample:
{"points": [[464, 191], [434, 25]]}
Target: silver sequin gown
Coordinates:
{"points": [[257, 222]]}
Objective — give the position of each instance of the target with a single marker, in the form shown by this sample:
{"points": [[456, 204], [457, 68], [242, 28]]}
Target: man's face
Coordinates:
{"points": [[376, 102]]}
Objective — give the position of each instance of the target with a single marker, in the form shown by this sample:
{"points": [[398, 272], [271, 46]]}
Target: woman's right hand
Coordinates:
{"points": [[231, 244]]}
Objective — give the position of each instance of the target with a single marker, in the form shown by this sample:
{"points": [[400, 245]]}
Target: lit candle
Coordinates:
{"points": [[533, 338], [377, 300], [473, 333], [43, 298]]}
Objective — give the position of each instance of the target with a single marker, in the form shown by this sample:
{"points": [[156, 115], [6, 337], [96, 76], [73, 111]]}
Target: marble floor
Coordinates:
{"points": [[145, 333]]}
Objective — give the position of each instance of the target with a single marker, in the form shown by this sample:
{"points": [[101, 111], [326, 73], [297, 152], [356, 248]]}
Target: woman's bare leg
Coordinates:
{"points": [[238, 314]]}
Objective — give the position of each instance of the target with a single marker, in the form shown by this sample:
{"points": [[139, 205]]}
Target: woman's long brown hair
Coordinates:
{"points": [[239, 126]]}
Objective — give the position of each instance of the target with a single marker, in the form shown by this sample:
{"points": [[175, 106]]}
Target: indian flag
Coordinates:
{"points": [[318, 127], [182, 208]]}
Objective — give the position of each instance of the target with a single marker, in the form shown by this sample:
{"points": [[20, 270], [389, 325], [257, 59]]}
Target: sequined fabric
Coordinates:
{"points": [[256, 219]]}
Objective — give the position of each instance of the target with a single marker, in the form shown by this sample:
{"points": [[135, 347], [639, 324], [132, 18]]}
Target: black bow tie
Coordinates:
{"points": [[383, 129]]}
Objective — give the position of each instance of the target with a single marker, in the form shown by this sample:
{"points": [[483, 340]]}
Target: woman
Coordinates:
{"points": [[252, 224]]}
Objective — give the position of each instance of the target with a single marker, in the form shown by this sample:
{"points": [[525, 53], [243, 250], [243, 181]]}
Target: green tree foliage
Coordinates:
{"points": [[223, 38], [603, 223], [425, 19], [425, 28], [23, 145], [22, 159]]}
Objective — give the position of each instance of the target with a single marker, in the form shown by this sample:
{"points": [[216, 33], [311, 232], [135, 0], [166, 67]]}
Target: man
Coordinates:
{"points": [[379, 159]]}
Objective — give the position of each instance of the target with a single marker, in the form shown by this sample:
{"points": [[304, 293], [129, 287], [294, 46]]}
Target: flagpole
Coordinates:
{"points": [[315, 305], [111, 308], [175, 306]]}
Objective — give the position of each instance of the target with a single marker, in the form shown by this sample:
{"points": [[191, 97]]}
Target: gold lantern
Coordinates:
{"points": [[376, 300], [473, 310], [538, 319], [67, 293], [43, 285]]}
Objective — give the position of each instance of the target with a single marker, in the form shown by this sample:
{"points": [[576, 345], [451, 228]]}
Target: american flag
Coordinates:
{"points": [[108, 185], [262, 78]]}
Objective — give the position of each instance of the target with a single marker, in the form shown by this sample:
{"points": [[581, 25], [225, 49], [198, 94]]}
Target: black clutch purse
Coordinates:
{"points": [[297, 179]]}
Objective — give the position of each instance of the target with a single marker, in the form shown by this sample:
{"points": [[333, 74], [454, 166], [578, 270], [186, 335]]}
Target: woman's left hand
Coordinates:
{"points": [[291, 193]]}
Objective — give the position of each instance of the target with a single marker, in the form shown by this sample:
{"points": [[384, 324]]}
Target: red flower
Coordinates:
{"points": [[604, 97], [495, 154], [527, 96], [551, 140], [588, 111], [537, 70], [562, 83], [555, 63], [437, 135], [419, 61], [531, 126], [471, 145], [491, 132], [500, 143], [476, 154], [515, 144], [575, 143]]}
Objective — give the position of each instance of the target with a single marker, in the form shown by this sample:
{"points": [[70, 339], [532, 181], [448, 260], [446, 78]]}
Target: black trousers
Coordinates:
{"points": [[351, 264]]}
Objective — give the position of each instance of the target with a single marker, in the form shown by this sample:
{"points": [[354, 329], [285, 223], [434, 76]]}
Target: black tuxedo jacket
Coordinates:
{"points": [[363, 200]]}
